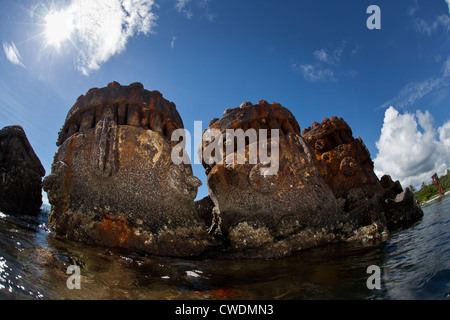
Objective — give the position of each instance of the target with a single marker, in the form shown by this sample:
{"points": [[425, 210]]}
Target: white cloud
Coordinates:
{"points": [[442, 21], [102, 28], [204, 4], [185, 7], [181, 6], [172, 43], [12, 54], [446, 71], [321, 55], [410, 149], [444, 134], [414, 91], [411, 11], [332, 57], [356, 50], [314, 73], [423, 26], [328, 64]]}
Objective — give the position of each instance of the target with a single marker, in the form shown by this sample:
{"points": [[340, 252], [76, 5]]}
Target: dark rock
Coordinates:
{"points": [[324, 191], [113, 182], [391, 188], [268, 215], [401, 207], [204, 208], [21, 174], [346, 165], [344, 162]]}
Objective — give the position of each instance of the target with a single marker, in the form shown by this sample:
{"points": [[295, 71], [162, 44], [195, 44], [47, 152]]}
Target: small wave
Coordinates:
{"points": [[435, 285]]}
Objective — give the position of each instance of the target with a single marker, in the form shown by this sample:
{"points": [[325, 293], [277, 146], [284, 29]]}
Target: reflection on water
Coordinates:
{"points": [[417, 261], [415, 264]]}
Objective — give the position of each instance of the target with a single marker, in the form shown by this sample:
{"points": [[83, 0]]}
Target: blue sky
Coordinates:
{"points": [[317, 58]]}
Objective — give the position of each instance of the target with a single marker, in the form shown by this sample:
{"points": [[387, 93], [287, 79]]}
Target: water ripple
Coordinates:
{"points": [[415, 264]]}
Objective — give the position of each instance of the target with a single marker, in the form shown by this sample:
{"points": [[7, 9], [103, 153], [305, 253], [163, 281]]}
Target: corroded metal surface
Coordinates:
{"points": [[348, 169], [272, 191], [438, 184], [325, 189], [267, 215], [126, 105], [113, 182], [344, 162]]}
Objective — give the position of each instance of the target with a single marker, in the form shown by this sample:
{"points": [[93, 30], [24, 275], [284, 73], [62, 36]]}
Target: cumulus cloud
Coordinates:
{"points": [[101, 28], [410, 149], [444, 134], [12, 54]]}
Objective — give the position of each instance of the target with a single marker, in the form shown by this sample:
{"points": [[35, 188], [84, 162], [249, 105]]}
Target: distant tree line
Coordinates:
{"points": [[429, 191]]}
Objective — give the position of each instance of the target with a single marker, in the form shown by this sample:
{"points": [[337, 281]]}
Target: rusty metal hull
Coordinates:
{"points": [[113, 182]]}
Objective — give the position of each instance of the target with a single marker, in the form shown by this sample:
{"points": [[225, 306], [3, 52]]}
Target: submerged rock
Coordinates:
{"points": [[113, 182], [21, 174]]}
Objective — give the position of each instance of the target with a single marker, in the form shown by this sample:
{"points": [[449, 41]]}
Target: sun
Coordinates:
{"points": [[59, 26]]}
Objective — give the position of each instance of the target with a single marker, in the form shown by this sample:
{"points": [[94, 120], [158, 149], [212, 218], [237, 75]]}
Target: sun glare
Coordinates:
{"points": [[58, 27]]}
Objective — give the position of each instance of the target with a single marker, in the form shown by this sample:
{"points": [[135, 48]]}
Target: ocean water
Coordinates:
{"points": [[414, 264]]}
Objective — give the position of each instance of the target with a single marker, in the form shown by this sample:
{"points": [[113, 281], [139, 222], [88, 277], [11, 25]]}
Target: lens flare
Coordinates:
{"points": [[59, 26]]}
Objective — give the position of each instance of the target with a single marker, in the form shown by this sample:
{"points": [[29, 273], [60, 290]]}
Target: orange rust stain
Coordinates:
{"points": [[69, 150], [263, 110], [219, 293], [130, 151], [69, 177], [114, 230], [235, 124], [215, 126], [225, 292]]}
